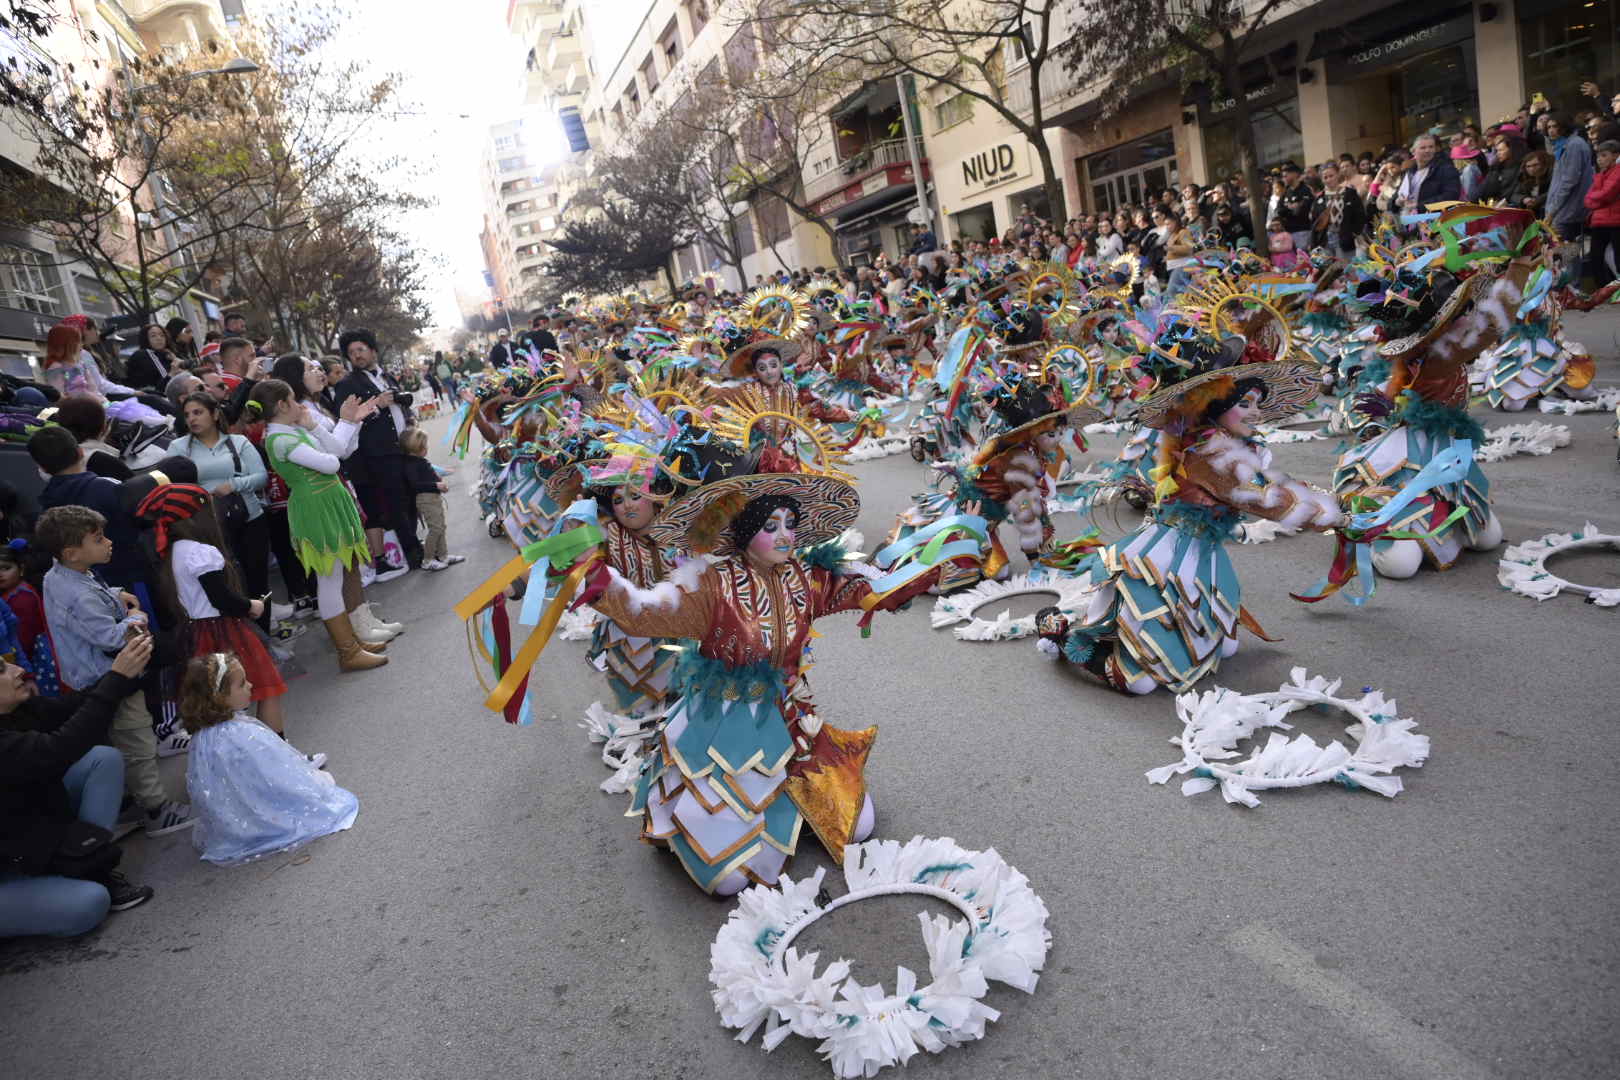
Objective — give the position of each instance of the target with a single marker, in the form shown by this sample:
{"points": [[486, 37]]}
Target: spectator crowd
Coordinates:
{"points": [[140, 619]]}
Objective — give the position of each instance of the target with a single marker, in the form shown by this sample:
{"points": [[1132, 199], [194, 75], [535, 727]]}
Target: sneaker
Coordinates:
{"points": [[280, 612], [174, 744], [435, 564], [317, 760], [386, 571], [125, 893], [304, 608], [168, 818], [287, 630], [451, 560]]}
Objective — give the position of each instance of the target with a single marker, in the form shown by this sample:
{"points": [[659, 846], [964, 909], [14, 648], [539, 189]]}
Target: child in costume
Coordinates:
{"points": [[202, 590], [322, 516], [253, 794], [35, 652], [1169, 610]]}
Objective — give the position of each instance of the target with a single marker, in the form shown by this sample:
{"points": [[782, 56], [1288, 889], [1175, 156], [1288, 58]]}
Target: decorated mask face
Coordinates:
{"points": [[1240, 418], [1047, 441], [632, 508], [774, 543], [768, 368]]}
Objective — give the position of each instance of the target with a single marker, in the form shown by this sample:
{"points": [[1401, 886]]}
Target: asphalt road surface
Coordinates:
{"points": [[492, 915]]}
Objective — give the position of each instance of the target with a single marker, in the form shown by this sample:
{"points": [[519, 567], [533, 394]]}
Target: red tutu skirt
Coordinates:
{"points": [[229, 634]]}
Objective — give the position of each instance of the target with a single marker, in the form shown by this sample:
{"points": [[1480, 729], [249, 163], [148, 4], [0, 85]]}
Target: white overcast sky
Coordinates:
{"points": [[465, 71]]}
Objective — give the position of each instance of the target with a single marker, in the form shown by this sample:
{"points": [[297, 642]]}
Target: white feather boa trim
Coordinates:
{"points": [[1523, 568], [579, 624], [1603, 402], [1513, 439], [1070, 593], [760, 979], [1216, 721]]}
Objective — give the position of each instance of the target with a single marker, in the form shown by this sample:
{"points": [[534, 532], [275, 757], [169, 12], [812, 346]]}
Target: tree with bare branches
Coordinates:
{"points": [[1120, 42], [993, 51]]}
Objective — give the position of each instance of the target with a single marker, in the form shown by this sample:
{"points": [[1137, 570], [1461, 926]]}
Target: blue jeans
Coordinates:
{"points": [[59, 906]]}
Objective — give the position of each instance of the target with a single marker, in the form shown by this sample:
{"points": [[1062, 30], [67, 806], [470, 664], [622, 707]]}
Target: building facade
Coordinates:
{"points": [[522, 206]]}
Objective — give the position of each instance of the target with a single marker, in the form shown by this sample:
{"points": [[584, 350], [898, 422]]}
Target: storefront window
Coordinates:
{"points": [[1277, 139], [1436, 90], [1564, 45], [1126, 174], [975, 223]]}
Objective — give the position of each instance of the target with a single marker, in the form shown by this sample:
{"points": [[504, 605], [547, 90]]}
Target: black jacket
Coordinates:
{"points": [[142, 371], [1500, 179], [378, 436], [500, 355], [1441, 184], [39, 741], [541, 340], [1294, 207], [1353, 218], [420, 476]]}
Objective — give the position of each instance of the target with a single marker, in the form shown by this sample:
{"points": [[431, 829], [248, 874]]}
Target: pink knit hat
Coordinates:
{"points": [[1461, 152]]}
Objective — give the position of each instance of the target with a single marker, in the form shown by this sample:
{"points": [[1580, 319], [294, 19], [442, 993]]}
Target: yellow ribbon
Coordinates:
{"points": [[526, 657], [480, 597]]}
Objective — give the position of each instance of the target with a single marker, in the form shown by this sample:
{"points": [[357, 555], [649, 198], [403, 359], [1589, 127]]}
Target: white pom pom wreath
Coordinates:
{"points": [[760, 979], [1523, 568], [1216, 721], [1067, 593]]}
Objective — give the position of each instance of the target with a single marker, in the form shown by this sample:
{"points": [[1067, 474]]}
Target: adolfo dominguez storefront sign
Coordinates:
{"points": [[1402, 46]]}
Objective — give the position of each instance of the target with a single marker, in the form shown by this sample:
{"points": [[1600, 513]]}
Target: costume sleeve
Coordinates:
{"points": [[1241, 476], [821, 410], [835, 592], [25, 604], [680, 606], [222, 596]]}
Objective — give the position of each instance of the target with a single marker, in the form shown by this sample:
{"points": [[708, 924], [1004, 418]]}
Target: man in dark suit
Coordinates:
{"points": [[377, 466], [540, 338]]}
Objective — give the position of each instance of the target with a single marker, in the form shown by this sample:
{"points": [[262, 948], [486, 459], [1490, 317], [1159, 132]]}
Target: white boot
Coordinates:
{"points": [[391, 627], [366, 628]]}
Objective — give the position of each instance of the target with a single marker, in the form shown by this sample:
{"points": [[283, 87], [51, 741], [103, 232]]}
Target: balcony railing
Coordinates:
{"points": [[868, 160], [1059, 89]]}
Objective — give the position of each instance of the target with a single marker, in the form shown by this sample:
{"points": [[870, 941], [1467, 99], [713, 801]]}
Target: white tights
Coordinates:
{"points": [[329, 592]]}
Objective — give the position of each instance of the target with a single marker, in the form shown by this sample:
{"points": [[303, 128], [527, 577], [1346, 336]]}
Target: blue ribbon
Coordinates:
{"points": [[1449, 466], [534, 600], [900, 548]]}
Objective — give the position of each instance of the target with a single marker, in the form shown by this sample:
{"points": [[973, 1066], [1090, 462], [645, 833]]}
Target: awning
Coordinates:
{"points": [[1388, 25]]}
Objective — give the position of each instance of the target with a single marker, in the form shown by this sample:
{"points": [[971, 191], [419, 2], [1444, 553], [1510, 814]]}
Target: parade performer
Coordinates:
{"points": [[743, 760], [1169, 609], [1438, 325]]}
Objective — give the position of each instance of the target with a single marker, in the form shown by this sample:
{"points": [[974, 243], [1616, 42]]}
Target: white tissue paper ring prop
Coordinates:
{"points": [[760, 979], [1523, 568], [1216, 721], [1067, 592]]}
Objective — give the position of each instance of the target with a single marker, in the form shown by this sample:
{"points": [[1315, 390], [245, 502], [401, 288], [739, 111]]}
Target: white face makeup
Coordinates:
{"points": [[768, 368], [632, 508], [774, 543], [1240, 418]]}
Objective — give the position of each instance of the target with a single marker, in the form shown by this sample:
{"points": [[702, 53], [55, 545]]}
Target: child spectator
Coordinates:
{"points": [[202, 590], [90, 624], [58, 454], [1281, 242], [255, 794], [425, 482], [35, 654]]}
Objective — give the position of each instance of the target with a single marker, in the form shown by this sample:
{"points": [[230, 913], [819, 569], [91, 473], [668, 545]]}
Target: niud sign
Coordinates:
{"points": [[990, 167]]}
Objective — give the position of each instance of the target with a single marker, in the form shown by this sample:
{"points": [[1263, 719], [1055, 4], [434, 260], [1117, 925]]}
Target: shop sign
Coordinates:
{"points": [[26, 325], [1258, 98], [1403, 46], [881, 180], [997, 165]]}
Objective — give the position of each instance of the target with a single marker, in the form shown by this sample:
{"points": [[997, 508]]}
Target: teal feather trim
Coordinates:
{"points": [[829, 555], [1079, 647], [1215, 524], [1434, 419], [992, 511], [696, 674]]}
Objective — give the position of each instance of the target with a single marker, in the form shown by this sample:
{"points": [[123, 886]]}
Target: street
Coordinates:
{"points": [[491, 913]]}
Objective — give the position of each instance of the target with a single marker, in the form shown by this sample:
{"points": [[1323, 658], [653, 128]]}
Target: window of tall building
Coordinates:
{"points": [[649, 73], [953, 110], [745, 235], [669, 43], [774, 224], [740, 56], [698, 12], [509, 163], [29, 281], [1565, 44]]}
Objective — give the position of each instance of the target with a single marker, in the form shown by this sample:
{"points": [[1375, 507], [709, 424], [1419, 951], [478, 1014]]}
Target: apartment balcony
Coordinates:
{"points": [[1061, 90], [866, 173], [561, 52], [577, 78]]}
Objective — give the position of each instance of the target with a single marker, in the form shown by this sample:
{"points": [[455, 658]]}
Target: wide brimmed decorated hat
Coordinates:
{"points": [[1460, 300], [742, 360], [701, 521], [1026, 405], [1290, 385]]}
